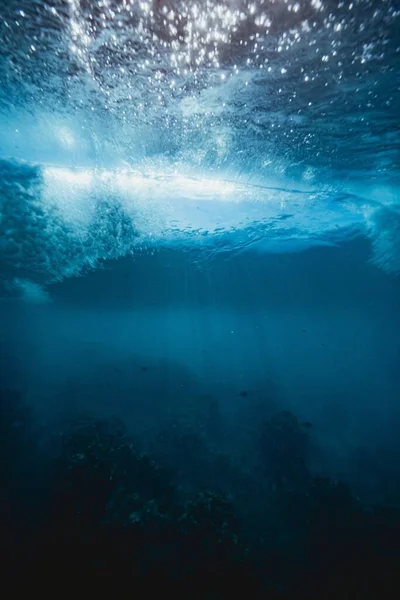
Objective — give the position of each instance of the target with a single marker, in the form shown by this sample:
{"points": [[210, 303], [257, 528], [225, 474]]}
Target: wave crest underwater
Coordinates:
{"points": [[211, 126]]}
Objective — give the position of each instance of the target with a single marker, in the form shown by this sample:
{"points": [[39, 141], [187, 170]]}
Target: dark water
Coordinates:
{"points": [[199, 325]]}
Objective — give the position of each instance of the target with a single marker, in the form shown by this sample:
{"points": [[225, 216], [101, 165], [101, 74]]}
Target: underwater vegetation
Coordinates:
{"points": [[106, 515]]}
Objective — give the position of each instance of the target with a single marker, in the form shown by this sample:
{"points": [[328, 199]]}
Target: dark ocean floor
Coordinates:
{"points": [[87, 509], [204, 433]]}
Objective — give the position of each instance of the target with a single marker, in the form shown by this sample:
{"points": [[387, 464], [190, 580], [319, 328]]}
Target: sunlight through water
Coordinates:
{"points": [[270, 124]]}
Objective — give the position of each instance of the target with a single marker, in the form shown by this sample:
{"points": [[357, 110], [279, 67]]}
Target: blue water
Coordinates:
{"points": [[200, 233]]}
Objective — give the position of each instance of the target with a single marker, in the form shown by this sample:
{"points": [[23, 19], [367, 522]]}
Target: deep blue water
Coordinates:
{"points": [[200, 238]]}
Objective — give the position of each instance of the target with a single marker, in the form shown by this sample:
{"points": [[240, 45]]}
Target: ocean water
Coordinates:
{"points": [[200, 296]]}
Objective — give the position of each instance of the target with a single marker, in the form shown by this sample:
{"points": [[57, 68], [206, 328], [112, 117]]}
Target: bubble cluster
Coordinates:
{"points": [[193, 79]]}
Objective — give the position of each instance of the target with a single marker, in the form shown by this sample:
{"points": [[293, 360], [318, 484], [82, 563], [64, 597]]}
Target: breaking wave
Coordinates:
{"points": [[57, 222], [215, 125]]}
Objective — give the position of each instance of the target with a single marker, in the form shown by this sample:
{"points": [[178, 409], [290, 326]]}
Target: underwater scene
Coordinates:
{"points": [[200, 298]]}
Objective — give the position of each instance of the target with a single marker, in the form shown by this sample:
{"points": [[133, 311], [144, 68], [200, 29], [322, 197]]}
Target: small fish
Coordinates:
{"points": [[243, 393], [144, 369], [306, 424]]}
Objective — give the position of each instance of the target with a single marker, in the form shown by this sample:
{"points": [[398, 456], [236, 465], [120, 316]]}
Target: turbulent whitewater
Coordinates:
{"points": [[214, 126]]}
